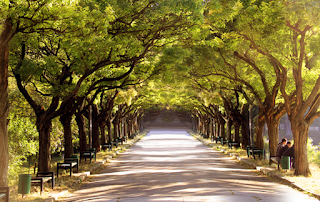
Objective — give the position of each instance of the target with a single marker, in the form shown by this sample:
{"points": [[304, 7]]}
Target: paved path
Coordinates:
{"points": [[170, 165]]}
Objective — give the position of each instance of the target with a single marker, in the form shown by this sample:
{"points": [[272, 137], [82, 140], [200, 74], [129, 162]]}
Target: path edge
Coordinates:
{"points": [[267, 172]]}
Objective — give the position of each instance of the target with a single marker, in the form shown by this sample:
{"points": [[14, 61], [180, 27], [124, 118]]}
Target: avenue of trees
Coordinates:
{"points": [[233, 65]]}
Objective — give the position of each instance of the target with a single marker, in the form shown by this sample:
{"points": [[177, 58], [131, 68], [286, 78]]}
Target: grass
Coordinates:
{"points": [[309, 184], [64, 183]]}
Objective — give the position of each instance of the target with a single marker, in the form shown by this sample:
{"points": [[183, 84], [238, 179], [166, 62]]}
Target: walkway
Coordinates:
{"points": [[170, 165]]}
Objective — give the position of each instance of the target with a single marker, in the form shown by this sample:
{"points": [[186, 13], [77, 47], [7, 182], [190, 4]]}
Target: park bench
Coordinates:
{"points": [[233, 144], [132, 136], [204, 135], [121, 139], [218, 139], [107, 145], [43, 177], [253, 151], [69, 163], [90, 153], [115, 143], [274, 159], [223, 141], [4, 193]]}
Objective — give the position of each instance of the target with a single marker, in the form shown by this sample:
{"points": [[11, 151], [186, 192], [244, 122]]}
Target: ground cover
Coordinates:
{"points": [[310, 184], [65, 183]]}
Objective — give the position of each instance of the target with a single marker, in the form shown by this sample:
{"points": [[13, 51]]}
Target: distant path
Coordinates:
{"points": [[170, 165]]}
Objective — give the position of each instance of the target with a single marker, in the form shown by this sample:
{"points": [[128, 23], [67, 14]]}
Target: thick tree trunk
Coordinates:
{"points": [[65, 119], [259, 130], [136, 129], [300, 131], [229, 125], [82, 133], [236, 133], [125, 128], [245, 133], [273, 133], [115, 129], [95, 129], [212, 128], [4, 102], [218, 129], [108, 123], [119, 127], [103, 132], [222, 128], [44, 128]]}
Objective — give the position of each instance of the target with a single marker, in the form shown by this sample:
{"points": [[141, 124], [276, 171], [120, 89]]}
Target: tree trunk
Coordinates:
{"points": [[102, 126], [218, 128], [273, 133], [82, 133], [119, 127], [236, 133], [229, 125], [115, 129], [300, 131], [95, 129], [108, 123], [44, 128], [222, 129], [259, 130], [245, 126], [4, 102], [124, 127], [65, 119]]}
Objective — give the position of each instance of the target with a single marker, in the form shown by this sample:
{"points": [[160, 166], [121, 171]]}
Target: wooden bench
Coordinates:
{"points": [[223, 141], [218, 139], [233, 144], [90, 153], [274, 159], [121, 139], [69, 163], [132, 136], [252, 150], [4, 193], [115, 143], [107, 146], [43, 177]]}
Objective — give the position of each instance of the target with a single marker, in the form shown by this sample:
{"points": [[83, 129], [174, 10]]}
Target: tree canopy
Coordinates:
{"points": [[115, 60]]}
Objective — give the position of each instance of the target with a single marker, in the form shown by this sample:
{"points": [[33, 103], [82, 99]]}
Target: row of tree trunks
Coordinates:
{"points": [[214, 124]]}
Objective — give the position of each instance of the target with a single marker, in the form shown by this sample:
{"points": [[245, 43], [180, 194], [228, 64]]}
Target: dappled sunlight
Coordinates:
{"points": [[175, 167]]}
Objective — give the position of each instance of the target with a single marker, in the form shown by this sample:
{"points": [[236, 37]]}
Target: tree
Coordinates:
{"points": [[302, 23], [120, 49]]}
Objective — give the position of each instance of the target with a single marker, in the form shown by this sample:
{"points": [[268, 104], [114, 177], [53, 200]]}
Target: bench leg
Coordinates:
{"points": [[41, 186]]}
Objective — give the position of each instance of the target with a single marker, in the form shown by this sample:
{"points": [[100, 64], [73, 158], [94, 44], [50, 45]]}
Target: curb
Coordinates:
{"points": [[84, 175], [263, 170]]}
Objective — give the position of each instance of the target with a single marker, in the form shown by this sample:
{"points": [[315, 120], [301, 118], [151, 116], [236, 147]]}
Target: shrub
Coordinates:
{"points": [[22, 142]]}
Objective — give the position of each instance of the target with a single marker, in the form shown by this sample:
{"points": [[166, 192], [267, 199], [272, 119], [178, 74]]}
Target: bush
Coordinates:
{"points": [[22, 142]]}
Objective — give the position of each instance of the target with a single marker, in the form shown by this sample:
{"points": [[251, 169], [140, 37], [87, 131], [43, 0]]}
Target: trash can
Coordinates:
{"points": [[285, 162], [24, 184]]}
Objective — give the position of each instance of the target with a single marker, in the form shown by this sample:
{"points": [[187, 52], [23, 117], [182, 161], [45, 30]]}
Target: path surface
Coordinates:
{"points": [[170, 165]]}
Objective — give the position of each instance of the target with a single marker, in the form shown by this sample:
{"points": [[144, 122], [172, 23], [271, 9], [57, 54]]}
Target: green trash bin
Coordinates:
{"points": [[285, 162], [24, 184]]}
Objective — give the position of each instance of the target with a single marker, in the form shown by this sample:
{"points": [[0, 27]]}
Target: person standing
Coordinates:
{"points": [[290, 152], [281, 145], [283, 149]]}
